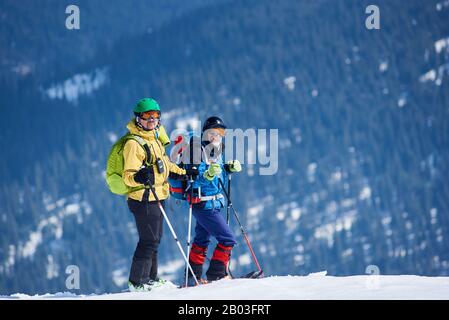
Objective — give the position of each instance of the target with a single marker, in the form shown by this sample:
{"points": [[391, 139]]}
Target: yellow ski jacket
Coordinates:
{"points": [[134, 156]]}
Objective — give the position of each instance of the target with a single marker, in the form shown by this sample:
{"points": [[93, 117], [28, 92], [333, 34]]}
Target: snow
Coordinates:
{"points": [[285, 143], [10, 260], [244, 259], [223, 91], [172, 114], [73, 208], [386, 221], [289, 82], [52, 268], [256, 210], [296, 213], [347, 253], [168, 271], [346, 203], [331, 207], [22, 69], [188, 123], [433, 213], [78, 85], [442, 5], [365, 193], [33, 242], [236, 101], [59, 210], [280, 215], [317, 286], [297, 134], [428, 76], [54, 221], [336, 176], [311, 171], [383, 66], [402, 101], [112, 137], [120, 277], [441, 44], [299, 260], [435, 75], [327, 231], [441, 71]]}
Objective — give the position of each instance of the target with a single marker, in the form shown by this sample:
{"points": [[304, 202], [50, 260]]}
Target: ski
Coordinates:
{"points": [[256, 274]]}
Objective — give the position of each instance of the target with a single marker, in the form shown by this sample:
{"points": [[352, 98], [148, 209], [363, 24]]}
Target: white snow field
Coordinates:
{"points": [[314, 286]]}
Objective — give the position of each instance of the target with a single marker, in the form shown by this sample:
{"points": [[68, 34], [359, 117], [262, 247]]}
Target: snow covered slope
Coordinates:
{"points": [[314, 286]]}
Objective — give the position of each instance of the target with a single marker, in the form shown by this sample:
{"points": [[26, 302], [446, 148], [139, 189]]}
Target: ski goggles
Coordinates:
{"points": [[148, 115]]}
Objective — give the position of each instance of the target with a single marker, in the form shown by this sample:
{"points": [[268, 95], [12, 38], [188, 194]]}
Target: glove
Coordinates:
{"points": [[175, 176], [214, 170], [193, 172], [233, 166], [144, 176]]}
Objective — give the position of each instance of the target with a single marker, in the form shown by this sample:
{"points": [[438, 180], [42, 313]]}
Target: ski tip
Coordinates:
{"points": [[254, 275]]}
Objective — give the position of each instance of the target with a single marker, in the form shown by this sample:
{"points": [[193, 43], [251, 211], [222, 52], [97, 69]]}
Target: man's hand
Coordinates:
{"points": [[233, 166], [213, 171], [144, 176], [192, 172]]}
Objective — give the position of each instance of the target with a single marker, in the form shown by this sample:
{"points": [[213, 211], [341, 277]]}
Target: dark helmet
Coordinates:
{"points": [[213, 122]]}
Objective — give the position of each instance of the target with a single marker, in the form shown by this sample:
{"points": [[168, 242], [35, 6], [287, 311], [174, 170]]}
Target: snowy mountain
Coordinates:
{"points": [[312, 287]]}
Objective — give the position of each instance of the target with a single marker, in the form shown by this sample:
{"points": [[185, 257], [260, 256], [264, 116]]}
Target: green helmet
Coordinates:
{"points": [[146, 104]]}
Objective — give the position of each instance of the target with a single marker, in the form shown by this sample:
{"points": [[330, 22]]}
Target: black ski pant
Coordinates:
{"points": [[148, 219]]}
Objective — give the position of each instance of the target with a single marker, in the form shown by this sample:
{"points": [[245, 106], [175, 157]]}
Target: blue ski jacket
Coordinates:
{"points": [[211, 188]]}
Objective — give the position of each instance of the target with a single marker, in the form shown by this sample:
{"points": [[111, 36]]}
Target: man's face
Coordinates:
{"points": [[215, 136], [149, 120]]}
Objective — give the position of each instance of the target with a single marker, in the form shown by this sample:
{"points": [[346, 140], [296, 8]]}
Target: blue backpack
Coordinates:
{"points": [[186, 152]]}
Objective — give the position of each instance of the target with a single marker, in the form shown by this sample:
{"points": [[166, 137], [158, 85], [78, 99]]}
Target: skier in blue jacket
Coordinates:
{"points": [[207, 212]]}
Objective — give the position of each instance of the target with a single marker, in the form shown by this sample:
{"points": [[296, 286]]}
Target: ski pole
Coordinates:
{"points": [[228, 216], [171, 229], [241, 227], [190, 226]]}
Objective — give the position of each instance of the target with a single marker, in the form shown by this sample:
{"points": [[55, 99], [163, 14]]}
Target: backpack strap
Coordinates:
{"points": [[191, 151], [147, 161], [145, 146]]}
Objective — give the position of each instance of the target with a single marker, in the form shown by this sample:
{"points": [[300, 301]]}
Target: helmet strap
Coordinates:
{"points": [[138, 124]]}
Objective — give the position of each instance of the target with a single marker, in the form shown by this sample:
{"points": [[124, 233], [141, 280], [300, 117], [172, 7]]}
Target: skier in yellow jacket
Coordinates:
{"points": [[148, 217]]}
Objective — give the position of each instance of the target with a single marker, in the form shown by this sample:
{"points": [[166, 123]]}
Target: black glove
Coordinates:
{"points": [[176, 176], [193, 172], [144, 176]]}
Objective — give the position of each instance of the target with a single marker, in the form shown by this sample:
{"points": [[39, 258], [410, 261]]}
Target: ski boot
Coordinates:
{"points": [[156, 283], [139, 287], [191, 282]]}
